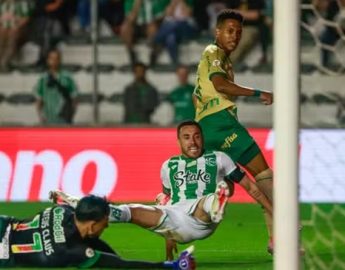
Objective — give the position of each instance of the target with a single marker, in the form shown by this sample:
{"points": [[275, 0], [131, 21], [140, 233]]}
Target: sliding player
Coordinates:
{"points": [[199, 184]]}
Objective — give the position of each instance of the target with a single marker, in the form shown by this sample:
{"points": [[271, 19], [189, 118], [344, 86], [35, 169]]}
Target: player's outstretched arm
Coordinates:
{"points": [[256, 194], [225, 86], [184, 262]]}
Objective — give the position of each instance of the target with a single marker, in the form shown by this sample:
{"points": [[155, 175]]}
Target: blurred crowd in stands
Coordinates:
{"points": [[162, 24]]}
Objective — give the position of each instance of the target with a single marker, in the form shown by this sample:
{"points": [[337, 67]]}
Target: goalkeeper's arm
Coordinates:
{"points": [[108, 260], [185, 261]]}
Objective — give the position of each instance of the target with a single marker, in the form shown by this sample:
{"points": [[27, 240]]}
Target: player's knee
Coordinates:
{"points": [[264, 175], [265, 183]]}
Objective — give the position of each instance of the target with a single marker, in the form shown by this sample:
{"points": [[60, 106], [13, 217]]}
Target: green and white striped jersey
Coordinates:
{"points": [[189, 178]]}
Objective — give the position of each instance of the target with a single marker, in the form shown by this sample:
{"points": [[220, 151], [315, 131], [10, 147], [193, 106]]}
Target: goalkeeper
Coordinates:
{"points": [[197, 183], [63, 237]]}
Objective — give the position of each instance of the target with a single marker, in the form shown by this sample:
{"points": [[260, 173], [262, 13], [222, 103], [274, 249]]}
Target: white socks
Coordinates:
{"points": [[119, 213]]}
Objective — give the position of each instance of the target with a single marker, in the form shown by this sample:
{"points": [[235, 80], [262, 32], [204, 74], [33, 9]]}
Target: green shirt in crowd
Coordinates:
{"points": [[53, 99], [181, 99], [150, 10]]}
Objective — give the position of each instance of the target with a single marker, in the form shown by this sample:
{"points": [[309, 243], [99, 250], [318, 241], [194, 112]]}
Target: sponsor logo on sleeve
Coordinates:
{"points": [[89, 252], [216, 63]]}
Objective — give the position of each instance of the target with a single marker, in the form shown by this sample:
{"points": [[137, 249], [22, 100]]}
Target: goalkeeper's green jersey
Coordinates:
{"points": [[189, 178], [213, 61]]}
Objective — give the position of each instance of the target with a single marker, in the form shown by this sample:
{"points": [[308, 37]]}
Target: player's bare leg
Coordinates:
{"points": [[139, 214], [263, 175], [145, 216]]}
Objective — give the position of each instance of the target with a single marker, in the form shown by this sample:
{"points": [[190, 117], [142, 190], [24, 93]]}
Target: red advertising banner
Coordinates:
{"points": [[120, 163]]}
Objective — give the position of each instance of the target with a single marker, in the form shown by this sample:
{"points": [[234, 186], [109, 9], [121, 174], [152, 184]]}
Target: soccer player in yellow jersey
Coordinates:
{"points": [[216, 111]]}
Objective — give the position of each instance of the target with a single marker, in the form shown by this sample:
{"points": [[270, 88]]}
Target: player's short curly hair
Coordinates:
{"points": [[187, 123], [92, 207], [226, 14]]}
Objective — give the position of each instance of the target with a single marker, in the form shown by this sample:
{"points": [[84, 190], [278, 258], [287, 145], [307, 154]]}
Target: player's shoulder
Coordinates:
{"points": [[212, 49], [169, 161], [215, 153], [211, 152], [62, 210]]}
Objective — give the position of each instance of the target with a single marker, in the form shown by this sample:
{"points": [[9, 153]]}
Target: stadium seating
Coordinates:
{"points": [[114, 74]]}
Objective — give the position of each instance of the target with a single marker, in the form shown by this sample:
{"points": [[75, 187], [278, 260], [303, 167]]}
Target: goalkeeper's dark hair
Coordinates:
{"points": [[188, 123], [226, 14], [92, 207]]}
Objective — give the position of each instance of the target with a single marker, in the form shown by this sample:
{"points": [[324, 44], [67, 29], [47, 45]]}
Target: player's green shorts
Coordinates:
{"points": [[223, 132]]}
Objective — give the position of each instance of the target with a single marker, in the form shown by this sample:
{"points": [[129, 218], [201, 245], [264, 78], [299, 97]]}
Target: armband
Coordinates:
{"points": [[257, 93]]}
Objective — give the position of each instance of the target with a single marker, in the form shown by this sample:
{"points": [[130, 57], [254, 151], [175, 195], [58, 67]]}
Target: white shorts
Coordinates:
{"points": [[178, 223]]}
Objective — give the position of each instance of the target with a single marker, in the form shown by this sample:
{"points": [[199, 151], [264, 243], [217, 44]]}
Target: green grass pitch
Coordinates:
{"points": [[239, 242]]}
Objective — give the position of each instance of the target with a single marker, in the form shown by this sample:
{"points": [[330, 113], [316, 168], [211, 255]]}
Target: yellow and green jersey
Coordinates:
{"points": [[213, 61]]}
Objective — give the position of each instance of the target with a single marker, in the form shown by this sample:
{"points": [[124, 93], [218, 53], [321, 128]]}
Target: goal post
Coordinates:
{"points": [[286, 127]]}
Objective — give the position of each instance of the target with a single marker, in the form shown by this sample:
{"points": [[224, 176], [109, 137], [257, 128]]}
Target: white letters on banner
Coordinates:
{"points": [[321, 166], [54, 173], [5, 174], [106, 176]]}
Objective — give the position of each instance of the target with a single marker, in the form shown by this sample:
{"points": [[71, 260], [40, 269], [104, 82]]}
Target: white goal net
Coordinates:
{"points": [[323, 185], [323, 26], [326, 240]]}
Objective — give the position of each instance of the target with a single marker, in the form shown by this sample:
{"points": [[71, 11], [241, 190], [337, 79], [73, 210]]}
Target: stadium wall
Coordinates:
{"points": [[124, 163]]}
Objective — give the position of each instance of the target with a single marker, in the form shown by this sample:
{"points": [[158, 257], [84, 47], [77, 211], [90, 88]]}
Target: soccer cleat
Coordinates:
{"points": [[58, 195], [221, 197], [186, 261], [270, 247], [301, 251]]}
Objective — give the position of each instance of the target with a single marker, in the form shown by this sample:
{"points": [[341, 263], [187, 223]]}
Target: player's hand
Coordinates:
{"points": [[162, 199], [186, 260], [53, 196], [266, 98], [170, 249]]}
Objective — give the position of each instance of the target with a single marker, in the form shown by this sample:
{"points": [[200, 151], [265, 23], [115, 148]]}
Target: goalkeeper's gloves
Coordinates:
{"points": [[57, 196], [186, 260]]}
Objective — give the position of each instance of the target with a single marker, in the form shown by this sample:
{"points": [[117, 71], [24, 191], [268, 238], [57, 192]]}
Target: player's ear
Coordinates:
{"points": [[179, 143], [216, 32], [91, 226]]}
